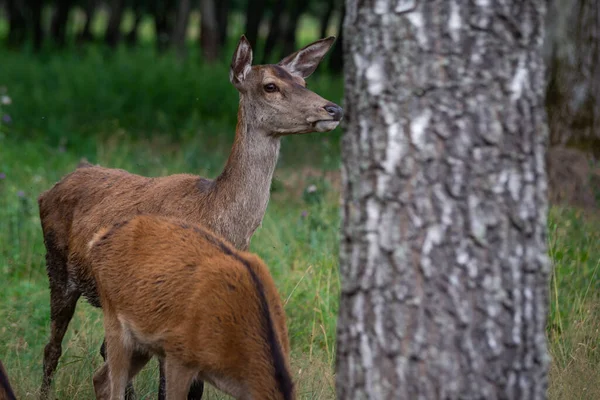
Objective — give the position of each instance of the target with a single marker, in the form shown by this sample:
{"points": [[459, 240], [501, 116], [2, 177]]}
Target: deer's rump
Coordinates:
{"points": [[92, 197]]}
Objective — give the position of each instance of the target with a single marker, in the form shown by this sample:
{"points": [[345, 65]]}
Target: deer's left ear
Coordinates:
{"points": [[306, 60], [241, 63]]}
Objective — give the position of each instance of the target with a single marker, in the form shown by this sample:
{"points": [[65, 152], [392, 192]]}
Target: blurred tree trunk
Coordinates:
{"points": [[274, 30], [113, 29], [58, 27], [90, 11], [17, 32], [36, 21], [573, 54], [132, 36], [295, 11], [223, 21], [209, 31], [336, 60], [443, 253], [255, 11], [180, 27], [326, 17], [162, 13]]}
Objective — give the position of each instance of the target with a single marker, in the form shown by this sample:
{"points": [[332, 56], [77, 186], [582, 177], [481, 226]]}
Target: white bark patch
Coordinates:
{"points": [[416, 18], [418, 127], [405, 5], [518, 82], [477, 223], [514, 185], [382, 7], [378, 310], [396, 148], [454, 22], [372, 222], [446, 203], [359, 62], [433, 238], [375, 75]]}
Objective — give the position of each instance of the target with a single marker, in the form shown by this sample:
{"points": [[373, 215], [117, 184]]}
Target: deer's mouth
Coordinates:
{"points": [[325, 125]]}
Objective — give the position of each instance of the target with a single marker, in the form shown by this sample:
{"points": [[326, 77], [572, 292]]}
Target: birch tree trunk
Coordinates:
{"points": [[443, 252]]}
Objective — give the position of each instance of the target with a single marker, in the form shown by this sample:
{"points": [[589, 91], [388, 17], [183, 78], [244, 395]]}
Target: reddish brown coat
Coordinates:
{"points": [[185, 294]]}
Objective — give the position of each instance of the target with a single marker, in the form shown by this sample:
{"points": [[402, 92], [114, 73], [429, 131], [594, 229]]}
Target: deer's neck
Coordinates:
{"points": [[245, 181]]}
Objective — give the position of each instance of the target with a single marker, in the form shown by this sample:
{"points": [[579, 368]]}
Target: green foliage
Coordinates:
{"points": [[66, 97]]}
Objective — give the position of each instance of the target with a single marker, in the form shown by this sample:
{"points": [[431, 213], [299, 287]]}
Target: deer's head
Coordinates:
{"points": [[275, 96]]}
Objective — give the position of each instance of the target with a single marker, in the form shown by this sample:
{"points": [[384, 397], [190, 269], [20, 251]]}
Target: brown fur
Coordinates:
{"points": [[232, 205], [6, 391], [183, 293]]}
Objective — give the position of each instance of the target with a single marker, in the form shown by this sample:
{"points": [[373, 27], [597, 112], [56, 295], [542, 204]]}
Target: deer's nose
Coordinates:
{"points": [[335, 111]]}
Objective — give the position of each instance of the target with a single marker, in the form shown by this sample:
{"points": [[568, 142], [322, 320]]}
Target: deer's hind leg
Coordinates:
{"points": [[121, 357], [63, 300], [178, 379], [196, 389], [129, 391], [102, 381]]}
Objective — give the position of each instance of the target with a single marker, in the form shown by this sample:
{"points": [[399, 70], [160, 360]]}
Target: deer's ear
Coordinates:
{"points": [[306, 60], [241, 62]]}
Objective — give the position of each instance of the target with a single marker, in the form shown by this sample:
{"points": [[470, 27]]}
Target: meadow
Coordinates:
{"points": [[155, 115]]}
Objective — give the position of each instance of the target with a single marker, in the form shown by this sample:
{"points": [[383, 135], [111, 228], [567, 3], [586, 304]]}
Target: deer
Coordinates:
{"points": [[180, 292], [6, 391], [273, 102]]}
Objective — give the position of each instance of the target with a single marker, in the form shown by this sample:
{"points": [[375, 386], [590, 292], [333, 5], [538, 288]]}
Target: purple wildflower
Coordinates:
{"points": [[6, 119], [2, 175], [304, 214], [21, 193]]}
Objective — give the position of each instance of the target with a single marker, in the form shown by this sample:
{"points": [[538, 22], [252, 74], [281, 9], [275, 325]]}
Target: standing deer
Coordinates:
{"points": [[274, 102], [180, 292]]}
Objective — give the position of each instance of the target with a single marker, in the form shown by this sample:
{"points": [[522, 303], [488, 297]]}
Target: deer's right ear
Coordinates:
{"points": [[241, 62]]}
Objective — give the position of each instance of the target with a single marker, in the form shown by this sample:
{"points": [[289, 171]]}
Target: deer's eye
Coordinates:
{"points": [[270, 88]]}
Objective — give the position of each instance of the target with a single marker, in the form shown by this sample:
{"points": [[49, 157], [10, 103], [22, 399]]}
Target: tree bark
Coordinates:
{"points": [[443, 254], [209, 32], [180, 27], [573, 51]]}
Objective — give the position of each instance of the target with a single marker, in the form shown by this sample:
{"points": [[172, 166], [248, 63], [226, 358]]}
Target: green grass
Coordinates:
{"points": [[155, 115]]}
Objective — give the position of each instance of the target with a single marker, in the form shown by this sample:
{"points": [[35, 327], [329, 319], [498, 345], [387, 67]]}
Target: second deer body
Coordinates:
{"points": [[181, 292]]}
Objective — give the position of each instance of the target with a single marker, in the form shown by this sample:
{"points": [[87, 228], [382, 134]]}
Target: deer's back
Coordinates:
{"points": [[172, 286], [92, 197]]}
